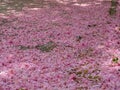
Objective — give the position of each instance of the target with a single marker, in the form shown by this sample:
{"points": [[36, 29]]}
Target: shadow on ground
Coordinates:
{"points": [[18, 5]]}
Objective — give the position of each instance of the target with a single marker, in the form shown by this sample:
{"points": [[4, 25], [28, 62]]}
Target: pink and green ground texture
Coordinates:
{"points": [[60, 46]]}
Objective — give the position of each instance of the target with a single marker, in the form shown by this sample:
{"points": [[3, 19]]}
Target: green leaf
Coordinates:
{"points": [[24, 47], [114, 3], [46, 47], [112, 11], [115, 60], [113, 7]]}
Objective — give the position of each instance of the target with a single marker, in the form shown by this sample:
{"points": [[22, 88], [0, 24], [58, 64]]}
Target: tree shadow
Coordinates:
{"points": [[18, 5], [88, 36]]}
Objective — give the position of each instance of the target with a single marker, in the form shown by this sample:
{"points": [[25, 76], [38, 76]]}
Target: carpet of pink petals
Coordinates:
{"points": [[84, 64]]}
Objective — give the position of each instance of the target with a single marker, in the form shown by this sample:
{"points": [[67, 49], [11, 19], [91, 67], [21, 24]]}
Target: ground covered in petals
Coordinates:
{"points": [[59, 45]]}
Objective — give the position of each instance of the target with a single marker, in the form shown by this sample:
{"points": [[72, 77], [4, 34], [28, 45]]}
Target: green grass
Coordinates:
{"points": [[112, 9], [24, 47], [115, 60], [114, 3], [46, 47]]}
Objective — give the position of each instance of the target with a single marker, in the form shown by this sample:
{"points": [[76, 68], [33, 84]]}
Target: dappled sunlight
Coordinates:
{"points": [[82, 5], [3, 73], [15, 7], [87, 4], [3, 16], [103, 0], [79, 3], [65, 44], [18, 14], [66, 1], [18, 6], [35, 9]]}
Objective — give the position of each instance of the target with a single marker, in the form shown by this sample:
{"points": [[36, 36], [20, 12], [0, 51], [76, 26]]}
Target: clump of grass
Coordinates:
{"points": [[82, 88], [112, 10], [21, 47], [89, 75], [115, 60], [46, 47], [94, 78], [82, 73], [114, 3]]}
